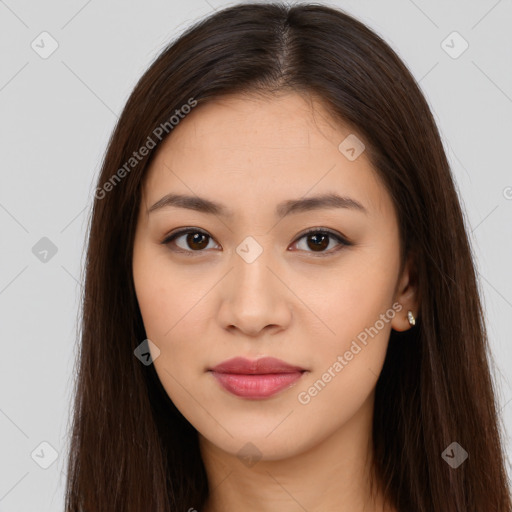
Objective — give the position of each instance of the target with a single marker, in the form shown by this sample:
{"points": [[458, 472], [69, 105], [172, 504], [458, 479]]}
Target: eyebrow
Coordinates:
{"points": [[203, 205]]}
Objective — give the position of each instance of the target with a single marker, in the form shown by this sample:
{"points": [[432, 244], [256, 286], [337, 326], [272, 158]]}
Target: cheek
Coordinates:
{"points": [[354, 298], [347, 363], [166, 297], [175, 307], [356, 312]]}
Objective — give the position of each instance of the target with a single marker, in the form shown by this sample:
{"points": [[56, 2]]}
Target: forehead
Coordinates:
{"points": [[250, 149], [250, 122]]}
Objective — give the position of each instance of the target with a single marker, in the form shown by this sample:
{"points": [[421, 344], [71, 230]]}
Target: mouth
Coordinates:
{"points": [[256, 379]]}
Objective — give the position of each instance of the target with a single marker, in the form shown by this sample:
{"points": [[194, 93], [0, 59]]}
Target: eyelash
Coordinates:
{"points": [[341, 240]]}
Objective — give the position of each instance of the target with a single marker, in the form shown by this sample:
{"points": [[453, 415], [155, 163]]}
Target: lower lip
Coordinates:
{"points": [[256, 386]]}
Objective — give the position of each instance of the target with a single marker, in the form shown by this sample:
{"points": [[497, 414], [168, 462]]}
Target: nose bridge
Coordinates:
{"points": [[251, 274], [255, 297]]}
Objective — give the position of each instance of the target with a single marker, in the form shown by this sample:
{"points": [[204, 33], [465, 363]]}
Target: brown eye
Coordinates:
{"points": [[189, 240], [196, 241], [317, 241]]}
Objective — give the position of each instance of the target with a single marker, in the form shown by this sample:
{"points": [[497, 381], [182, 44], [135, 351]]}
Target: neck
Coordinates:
{"points": [[333, 474]]}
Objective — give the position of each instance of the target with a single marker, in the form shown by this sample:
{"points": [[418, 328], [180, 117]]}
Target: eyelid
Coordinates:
{"points": [[184, 231], [342, 240], [338, 236]]}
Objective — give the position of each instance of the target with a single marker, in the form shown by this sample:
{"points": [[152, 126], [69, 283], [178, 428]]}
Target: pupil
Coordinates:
{"points": [[323, 244], [194, 238], [199, 241]]}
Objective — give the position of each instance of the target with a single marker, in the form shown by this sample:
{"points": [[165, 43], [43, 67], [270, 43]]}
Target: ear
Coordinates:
{"points": [[407, 295]]}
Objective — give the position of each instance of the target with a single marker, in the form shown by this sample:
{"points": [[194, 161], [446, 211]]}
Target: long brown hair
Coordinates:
{"points": [[131, 450]]}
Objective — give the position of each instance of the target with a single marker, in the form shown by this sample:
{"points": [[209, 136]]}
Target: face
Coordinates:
{"points": [[269, 272]]}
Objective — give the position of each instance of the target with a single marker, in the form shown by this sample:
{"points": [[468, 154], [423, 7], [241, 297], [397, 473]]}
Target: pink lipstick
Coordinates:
{"points": [[256, 379]]}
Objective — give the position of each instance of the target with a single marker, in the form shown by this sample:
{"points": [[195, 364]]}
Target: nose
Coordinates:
{"points": [[254, 297]]}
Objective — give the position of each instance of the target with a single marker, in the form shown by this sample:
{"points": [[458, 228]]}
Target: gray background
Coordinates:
{"points": [[57, 114]]}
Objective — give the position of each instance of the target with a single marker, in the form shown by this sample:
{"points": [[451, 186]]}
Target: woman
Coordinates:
{"points": [[280, 306]]}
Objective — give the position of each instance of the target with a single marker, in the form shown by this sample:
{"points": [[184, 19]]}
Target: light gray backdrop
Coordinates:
{"points": [[58, 106]]}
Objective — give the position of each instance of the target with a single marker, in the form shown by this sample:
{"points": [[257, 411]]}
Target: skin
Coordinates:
{"points": [[201, 308]]}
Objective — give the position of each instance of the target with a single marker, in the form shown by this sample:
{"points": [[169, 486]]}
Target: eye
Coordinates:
{"points": [[319, 239], [195, 240]]}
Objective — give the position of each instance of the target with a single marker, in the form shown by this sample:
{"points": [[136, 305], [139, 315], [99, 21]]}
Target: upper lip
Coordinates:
{"points": [[240, 365]]}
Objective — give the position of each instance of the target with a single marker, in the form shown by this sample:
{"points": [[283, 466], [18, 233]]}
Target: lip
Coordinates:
{"points": [[264, 365], [256, 379]]}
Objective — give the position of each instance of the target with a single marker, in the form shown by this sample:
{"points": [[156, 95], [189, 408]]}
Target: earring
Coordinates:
{"points": [[410, 316]]}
